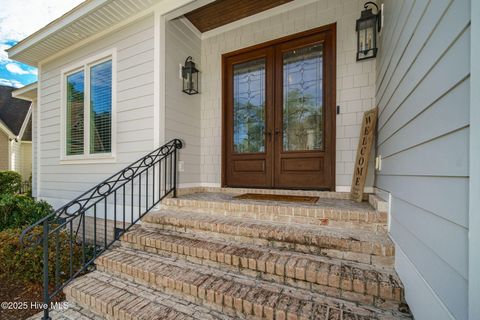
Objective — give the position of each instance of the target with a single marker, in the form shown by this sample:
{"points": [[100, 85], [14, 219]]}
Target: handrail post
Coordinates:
{"points": [[46, 296], [175, 172]]}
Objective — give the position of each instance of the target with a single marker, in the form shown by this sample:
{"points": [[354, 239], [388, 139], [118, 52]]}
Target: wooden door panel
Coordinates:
{"points": [[254, 165], [286, 138], [304, 112], [302, 165], [249, 101]]}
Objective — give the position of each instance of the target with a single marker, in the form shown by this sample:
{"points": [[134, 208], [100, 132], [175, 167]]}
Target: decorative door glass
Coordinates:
{"points": [[303, 99], [249, 106]]}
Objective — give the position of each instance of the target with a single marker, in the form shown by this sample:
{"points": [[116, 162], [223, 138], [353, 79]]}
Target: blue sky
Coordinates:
{"points": [[18, 19]]}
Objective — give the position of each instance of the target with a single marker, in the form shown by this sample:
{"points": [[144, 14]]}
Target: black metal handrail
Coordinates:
{"points": [[63, 232]]}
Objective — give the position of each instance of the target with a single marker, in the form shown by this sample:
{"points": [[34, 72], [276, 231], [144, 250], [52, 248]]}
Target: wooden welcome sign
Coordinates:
{"points": [[363, 154]]}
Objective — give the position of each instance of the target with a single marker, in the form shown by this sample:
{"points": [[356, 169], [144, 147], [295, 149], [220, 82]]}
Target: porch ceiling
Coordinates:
{"points": [[222, 12]]}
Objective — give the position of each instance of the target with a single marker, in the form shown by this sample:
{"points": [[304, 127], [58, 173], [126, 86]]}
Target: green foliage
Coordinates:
{"points": [[25, 265], [10, 182], [18, 211]]}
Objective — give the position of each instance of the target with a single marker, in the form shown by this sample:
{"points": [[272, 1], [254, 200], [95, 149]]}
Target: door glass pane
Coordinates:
{"points": [[303, 99], [75, 111], [249, 106]]}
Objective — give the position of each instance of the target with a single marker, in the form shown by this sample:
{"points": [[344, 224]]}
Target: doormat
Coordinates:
{"points": [[277, 197]]}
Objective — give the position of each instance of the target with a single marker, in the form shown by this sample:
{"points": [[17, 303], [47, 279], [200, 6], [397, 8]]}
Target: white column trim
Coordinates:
{"points": [[38, 130], [156, 80], [162, 78]]}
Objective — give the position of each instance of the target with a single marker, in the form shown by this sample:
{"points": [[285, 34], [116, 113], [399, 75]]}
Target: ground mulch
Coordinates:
{"points": [[12, 291]]}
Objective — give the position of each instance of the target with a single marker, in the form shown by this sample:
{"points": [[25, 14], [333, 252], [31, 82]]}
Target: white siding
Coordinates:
{"points": [[4, 151], [474, 200], [26, 160], [422, 91], [182, 112], [355, 80], [35, 146], [134, 43], [16, 156]]}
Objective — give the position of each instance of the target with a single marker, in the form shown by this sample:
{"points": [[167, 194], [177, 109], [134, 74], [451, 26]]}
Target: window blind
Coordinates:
{"points": [[75, 112], [101, 108]]}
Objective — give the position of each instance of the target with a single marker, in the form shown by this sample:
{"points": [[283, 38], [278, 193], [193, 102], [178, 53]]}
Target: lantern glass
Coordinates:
{"points": [[190, 77], [367, 35]]}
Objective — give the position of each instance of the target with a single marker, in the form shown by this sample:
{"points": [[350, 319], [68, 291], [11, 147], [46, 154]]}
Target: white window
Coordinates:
{"points": [[88, 110]]}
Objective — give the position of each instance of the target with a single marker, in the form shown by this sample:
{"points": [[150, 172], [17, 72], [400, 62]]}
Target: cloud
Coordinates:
{"points": [[16, 69], [20, 18], [3, 53], [11, 83]]}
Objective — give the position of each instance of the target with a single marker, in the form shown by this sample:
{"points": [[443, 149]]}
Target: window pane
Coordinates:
{"points": [[249, 106], [101, 108], [75, 111], [303, 99]]}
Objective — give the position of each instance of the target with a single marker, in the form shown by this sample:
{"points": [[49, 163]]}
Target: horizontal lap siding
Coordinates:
{"points": [[134, 133], [4, 141], [423, 88], [182, 112]]}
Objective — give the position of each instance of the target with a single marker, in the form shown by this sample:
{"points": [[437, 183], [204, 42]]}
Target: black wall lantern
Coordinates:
{"points": [[367, 27], [190, 77]]}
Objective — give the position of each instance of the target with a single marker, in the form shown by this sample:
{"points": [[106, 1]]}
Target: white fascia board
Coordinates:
{"points": [[257, 17], [28, 92], [7, 131], [74, 14], [187, 8], [25, 122]]}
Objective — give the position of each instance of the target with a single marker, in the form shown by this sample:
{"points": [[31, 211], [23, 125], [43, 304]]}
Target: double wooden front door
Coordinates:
{"points": [[279, 113]]}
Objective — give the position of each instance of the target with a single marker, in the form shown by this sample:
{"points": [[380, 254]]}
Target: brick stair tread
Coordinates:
{"points": [[327, 209], [112, 298], [326, 237], [245, 295], [356, 279]]}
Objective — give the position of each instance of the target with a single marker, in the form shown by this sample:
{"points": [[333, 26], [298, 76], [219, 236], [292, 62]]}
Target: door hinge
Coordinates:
{"points": [[338, 109]]}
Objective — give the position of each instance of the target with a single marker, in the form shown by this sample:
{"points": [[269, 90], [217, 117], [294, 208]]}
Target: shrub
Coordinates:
{"points": [[25, 265], [10, 182], [18, 210]]}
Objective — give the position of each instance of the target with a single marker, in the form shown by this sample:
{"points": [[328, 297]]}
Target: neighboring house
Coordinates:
{"points": [[15, 133], [110, 91]]}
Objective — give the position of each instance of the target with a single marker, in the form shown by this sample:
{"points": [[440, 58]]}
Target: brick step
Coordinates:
{"points": [[336, 278], [291, 192], [331, 212], [347, 244], [230, 293], [113, 298]]}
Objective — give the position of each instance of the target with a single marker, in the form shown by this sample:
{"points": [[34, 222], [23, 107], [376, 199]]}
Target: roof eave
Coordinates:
{"points": [[59, 23], [28, 92]]}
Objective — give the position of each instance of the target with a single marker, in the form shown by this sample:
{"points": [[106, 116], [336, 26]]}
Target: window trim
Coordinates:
{"points": [[85, 66]]}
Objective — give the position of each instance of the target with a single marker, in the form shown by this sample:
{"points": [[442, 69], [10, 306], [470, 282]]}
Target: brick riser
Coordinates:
{"points": [[112, 298], [318, 216], [313, 193], [352, 282], [229, 294], [352, 246]]}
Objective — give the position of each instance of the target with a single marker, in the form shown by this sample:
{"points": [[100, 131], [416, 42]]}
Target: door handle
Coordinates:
{"points": [[269, 134], [277, 131]]}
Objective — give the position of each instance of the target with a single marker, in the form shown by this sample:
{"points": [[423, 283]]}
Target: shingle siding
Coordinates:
{"points": [[355, 80]]}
